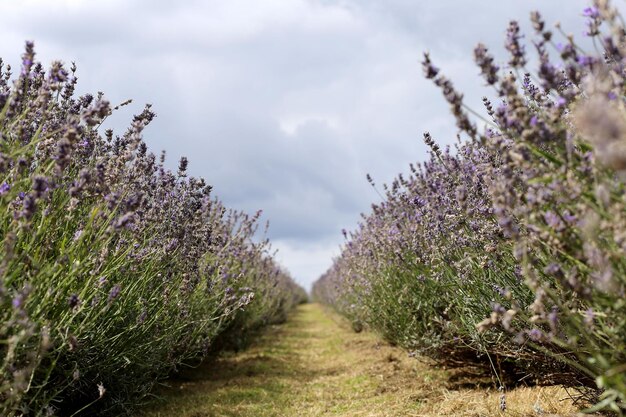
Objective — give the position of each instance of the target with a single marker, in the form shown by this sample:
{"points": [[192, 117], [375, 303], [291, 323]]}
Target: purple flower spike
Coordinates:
{"points": [[115, 292], [585, 60], [18, 301], [591, 12], [73, 301]]}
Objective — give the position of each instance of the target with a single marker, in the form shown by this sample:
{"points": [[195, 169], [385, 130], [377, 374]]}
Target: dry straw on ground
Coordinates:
{"points": [[314, 365]]}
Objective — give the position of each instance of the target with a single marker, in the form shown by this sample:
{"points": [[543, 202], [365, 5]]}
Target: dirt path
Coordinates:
{"points": [[315, 365]]}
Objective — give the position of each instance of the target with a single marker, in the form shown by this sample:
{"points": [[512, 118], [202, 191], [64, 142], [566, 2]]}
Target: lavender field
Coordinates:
{"points": [[498, 259]]}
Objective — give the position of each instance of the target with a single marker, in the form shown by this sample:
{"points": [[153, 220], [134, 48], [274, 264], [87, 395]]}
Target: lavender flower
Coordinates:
{"points": [[513, 45], [114, 293], [73, 301]]}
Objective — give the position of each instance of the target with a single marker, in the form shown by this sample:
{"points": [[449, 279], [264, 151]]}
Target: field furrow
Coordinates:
{"points": [[315, 365]]}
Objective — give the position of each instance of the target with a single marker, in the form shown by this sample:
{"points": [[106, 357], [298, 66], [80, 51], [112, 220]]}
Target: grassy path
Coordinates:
{"points": [[315, 365]]}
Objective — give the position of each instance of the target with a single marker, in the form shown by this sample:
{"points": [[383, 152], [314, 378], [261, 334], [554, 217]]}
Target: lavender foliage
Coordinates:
{"points": [[114, 270], [513, 246]]}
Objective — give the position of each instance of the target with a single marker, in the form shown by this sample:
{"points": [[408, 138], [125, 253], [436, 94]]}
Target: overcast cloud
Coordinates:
{"points": [[282, 105]]}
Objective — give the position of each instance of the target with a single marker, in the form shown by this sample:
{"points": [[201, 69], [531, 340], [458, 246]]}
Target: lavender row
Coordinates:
{"points": [[509, 249], [114, 270]]}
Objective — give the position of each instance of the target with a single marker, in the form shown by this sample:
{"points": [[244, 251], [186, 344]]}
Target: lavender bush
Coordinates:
{"points": [[114, 270], [513, 246]]}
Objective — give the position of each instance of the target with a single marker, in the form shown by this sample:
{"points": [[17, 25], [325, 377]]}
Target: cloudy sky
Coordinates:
{"points": [[282, 105]]}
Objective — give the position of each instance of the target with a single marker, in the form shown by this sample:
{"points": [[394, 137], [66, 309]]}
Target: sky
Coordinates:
{"points": [[281, 105]]}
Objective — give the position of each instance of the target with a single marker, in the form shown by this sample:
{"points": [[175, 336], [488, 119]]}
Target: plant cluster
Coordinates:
{"points": [[114, 270], [511, 249]]}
